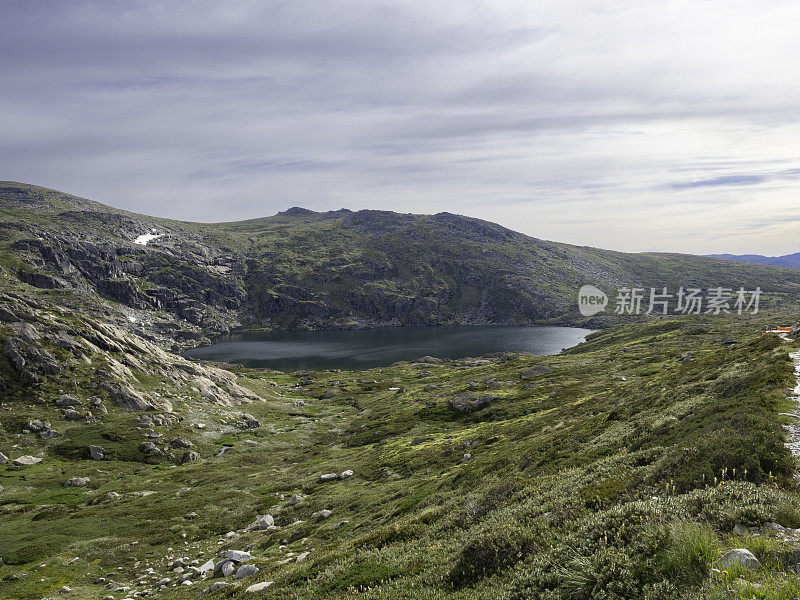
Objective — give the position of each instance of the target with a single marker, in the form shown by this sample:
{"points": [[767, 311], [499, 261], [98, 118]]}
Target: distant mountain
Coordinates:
{"points": [[787, 260], [178, 282]]}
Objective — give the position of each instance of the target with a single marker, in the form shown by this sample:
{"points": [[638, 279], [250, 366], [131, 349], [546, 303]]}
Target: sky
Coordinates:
{"points": [[631, 125]]}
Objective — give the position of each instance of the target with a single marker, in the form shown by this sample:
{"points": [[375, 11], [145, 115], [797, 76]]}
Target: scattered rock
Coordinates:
{"points": [[180, 442], [70, 414], [302, 556], [328, 477], [293, 501], [263, 522], [322, 514], [150, 449], [214, 587], [67, 401], [206, 567], [77, 482], [26, 460], [190, 456], [332, 392], [111, 496], [429, 360], [346, 474], [257, 587], [248, 422], [97, 405], [740, 557], [97, 453], [3, 459], [225, 568], [246, 571], [238, 555]]}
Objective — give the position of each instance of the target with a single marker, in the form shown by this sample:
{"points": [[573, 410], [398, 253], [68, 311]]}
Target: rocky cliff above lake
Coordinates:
{"points": [[179, 283]]}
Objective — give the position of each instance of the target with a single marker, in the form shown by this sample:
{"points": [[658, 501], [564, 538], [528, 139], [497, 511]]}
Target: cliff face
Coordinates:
{"points": [[183, 282]]}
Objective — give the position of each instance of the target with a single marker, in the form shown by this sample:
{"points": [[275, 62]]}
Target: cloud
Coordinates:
{"points": [[722, 180], [619, 124]]}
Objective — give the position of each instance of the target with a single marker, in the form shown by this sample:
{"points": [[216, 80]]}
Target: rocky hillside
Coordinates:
{"points": [[183, 282]]}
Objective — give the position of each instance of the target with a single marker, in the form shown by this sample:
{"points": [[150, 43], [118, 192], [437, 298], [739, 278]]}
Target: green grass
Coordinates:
{"points": [[581, 484]]}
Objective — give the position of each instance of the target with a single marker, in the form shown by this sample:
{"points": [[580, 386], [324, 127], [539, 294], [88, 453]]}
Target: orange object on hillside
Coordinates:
{"points": [[784, 329]]}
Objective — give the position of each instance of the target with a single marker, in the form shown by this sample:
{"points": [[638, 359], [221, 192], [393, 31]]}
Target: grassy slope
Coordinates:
{"points": [[581, 483]]}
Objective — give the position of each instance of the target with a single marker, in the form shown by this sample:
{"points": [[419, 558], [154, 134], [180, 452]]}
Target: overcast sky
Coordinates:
{"points": [[631, 125]]}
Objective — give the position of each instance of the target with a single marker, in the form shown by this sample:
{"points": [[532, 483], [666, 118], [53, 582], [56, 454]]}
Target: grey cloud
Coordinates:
{"points": [[513, 111]]}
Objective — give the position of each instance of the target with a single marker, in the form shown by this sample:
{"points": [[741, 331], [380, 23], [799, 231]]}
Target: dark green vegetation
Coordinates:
{"points": [[301, 269]]}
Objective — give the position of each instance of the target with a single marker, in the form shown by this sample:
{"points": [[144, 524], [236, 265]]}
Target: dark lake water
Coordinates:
{"points": [[367, 348]]}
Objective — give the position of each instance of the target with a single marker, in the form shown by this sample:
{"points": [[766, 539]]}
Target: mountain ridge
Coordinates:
{"points": [[785, 260], [301, 269]]}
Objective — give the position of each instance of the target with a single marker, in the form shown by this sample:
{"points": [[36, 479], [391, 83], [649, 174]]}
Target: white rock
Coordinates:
{"points": [[26, 460], [302, 556], [346, 474], [322, 514], [257, 587], [740, 557], [328, 477], [3, 459], [206, 567], [263, 522]]}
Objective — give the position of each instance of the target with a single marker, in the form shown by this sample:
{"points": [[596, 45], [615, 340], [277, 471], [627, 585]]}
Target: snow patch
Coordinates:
{"points": [[143, 239]]}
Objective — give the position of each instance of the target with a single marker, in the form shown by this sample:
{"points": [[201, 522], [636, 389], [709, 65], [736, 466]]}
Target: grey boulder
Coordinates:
{"points": [[77, 482], [246, 571], [263, 522], [740, 557], [238, 555], [96, 453]]}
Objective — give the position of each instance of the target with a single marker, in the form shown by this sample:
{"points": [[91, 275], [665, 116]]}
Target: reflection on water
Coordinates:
{"points": [[367, 348]]}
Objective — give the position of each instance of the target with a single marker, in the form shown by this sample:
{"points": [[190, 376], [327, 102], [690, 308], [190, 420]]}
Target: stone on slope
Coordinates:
{"points": [[263, 522], [328, 477], [740, 557], [246, 571], [26, 460], [238, 555], [322, 514], [3, 459], [67, 401], [206, 567], [96, 453], [70, 414], [346, 474], [257, 587], [190, 456], [77, 482], [225, 568]]}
